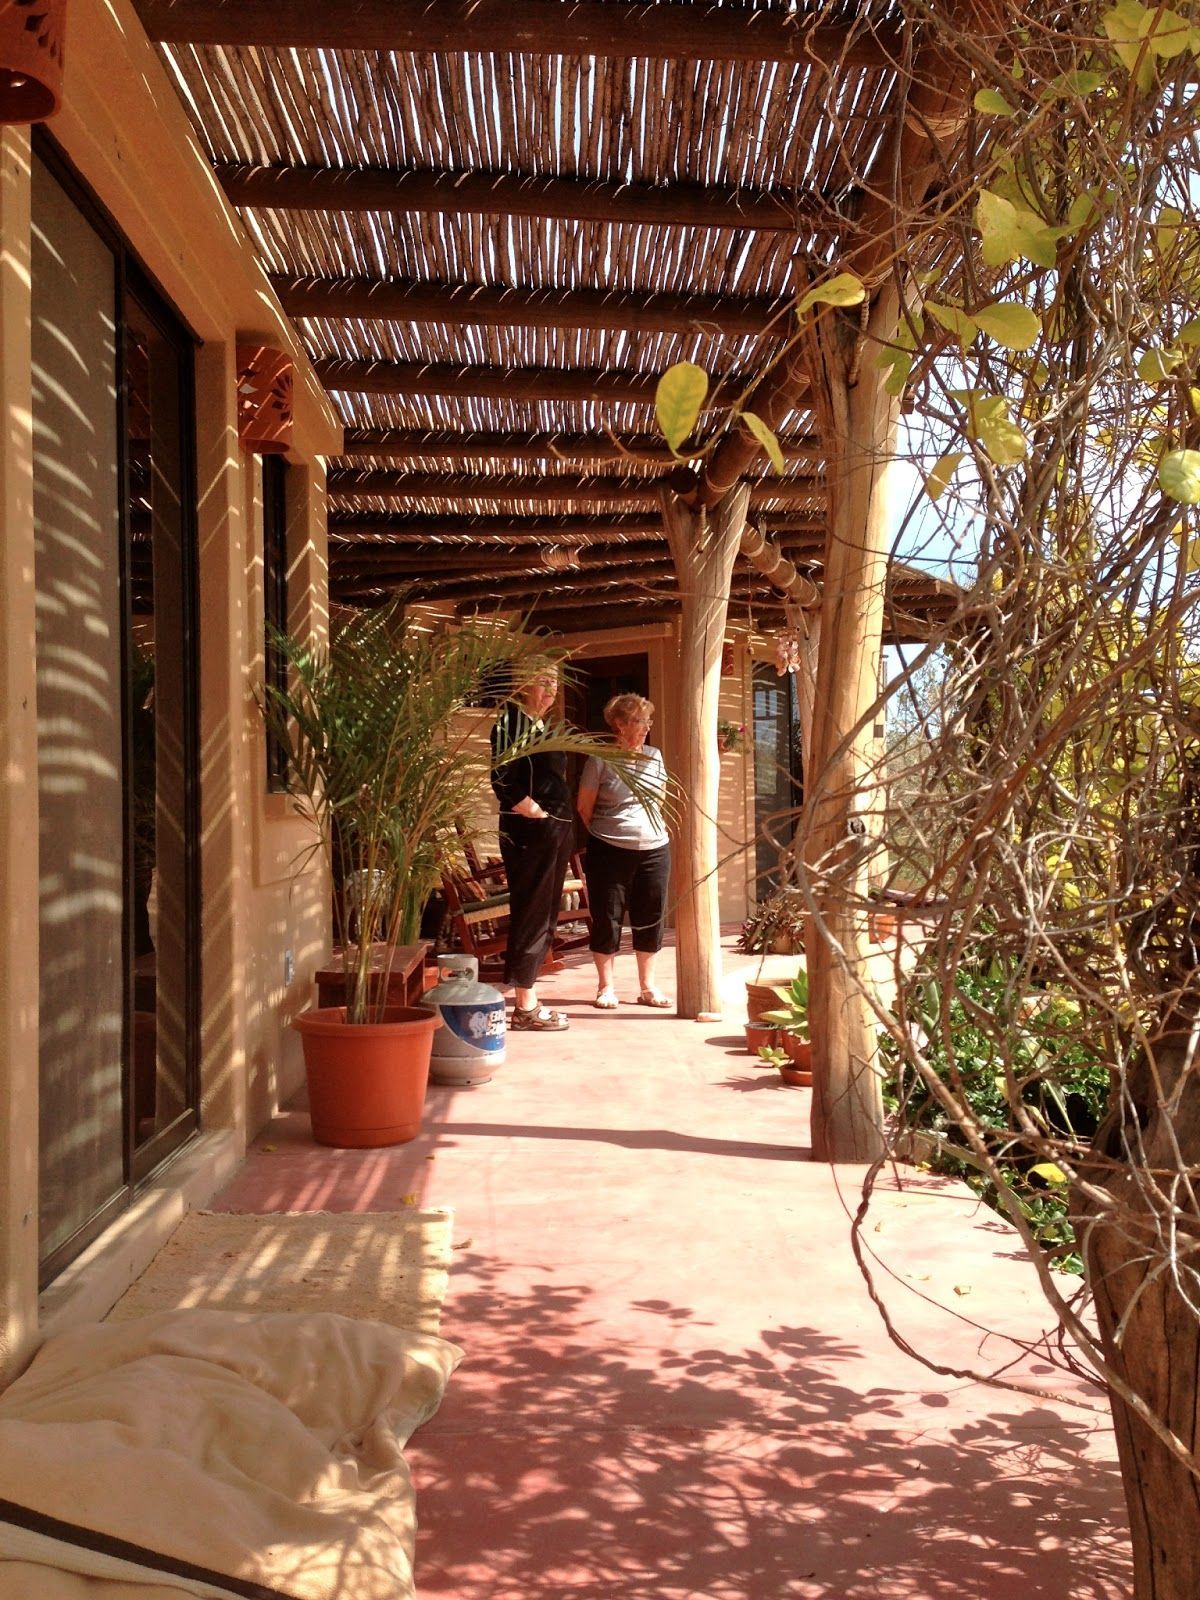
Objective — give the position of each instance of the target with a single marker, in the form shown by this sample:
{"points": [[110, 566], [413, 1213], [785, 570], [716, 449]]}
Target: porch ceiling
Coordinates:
{"points": [[496, 224]]}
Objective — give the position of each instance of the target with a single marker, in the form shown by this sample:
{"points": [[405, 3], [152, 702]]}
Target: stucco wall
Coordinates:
{"points": [[126, 135]]}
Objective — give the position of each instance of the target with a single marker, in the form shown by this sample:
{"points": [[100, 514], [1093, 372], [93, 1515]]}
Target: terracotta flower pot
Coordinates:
{"points": [[759, 1038], [366, 1080], [798, 1070], [760, 997]]}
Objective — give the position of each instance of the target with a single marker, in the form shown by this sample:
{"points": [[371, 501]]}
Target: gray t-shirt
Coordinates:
{"points": [[620, 818]]}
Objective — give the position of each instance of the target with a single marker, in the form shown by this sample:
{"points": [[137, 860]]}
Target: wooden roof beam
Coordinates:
{"points": [[386, 533], [417, 443], [612, 309], [486, 382], [346, 483], [655, 31], [510, 194]]}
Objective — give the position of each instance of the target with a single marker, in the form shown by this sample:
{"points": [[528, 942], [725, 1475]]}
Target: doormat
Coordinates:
{"points": [[386, 1266]]}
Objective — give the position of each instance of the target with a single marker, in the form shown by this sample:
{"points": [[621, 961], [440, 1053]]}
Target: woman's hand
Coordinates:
{"points": [[527, 806]]}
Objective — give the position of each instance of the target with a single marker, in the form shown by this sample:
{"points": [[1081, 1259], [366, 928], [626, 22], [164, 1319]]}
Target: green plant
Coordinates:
{"points": [[730, 734], [382, 746], [772, 1055], [792, 1014], [1017, 1068]]}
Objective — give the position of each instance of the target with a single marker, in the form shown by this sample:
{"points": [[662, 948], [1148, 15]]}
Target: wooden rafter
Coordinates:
{"points": [[510, 194], [444, 444], [395, 529], [488, 383], [382, 299], [661, 31], [347, 483]]}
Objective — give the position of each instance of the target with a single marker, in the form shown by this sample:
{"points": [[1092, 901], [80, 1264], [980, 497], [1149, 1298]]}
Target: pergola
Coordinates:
{"points": [[496, 223]]}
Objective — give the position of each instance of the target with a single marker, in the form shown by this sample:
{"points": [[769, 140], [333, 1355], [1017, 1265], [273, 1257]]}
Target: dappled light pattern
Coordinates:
{"points": [[562, 1465]]}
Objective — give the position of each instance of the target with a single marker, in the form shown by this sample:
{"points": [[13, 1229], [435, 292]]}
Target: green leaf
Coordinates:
{"points": [[938, 480], [1190, 332], [1003, 440], [901, 363], [1194, 401], [993, 103], [1015, 327], [958, 322], [1179, 476], [766, 438], [843, 290], [678, 398], [1013, 233], [1075, 85], [1156, 366], [1083, 210], [1169, 33]]}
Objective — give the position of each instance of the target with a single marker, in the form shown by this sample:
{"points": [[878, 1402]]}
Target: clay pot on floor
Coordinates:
{"points": [[366, 1080], [760, 1038], [797, 1070]]}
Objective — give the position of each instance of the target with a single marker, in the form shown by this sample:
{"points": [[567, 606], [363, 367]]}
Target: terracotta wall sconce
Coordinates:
{"points": [[264, 393], [31, 59]]}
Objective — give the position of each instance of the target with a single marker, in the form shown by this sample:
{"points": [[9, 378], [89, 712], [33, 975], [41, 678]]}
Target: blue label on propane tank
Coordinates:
{"points": [[482, 1027]]}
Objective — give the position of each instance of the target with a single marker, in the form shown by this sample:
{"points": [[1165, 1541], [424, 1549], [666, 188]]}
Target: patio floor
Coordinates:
{"points": [[675, 1384]]}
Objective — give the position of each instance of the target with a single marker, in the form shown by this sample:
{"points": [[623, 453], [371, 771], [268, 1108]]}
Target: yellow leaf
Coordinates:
{"points": [[766, 438], [939, 478], [678, 398], [1049, 1172], [843, 290]]}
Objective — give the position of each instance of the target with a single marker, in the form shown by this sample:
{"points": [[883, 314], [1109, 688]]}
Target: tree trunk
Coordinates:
{"points": [[704, 547], [860, 423], [1140, 1253]]}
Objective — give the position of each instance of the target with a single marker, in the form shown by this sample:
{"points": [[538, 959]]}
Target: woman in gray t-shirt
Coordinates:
{"points": [[628, 853]]}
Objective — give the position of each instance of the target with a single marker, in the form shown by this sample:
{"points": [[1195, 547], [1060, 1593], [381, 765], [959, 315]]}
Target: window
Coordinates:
{"points": [[275, 602]]}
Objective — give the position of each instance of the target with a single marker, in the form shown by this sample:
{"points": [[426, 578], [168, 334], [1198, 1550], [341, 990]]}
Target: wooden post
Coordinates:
{"points": [[704, 546], [847, 1109]]}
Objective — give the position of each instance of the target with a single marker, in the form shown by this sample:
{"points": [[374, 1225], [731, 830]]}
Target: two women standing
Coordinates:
{"points": [[628, 854]]}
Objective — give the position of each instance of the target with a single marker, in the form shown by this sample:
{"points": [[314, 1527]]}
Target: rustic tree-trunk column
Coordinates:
{"points": [[806, 691], [860, 424], [1145, 1300], [704, 546]]}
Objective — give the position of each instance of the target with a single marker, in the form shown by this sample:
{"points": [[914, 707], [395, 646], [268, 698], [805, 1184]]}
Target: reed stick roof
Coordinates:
{"points": [[496, 222]]}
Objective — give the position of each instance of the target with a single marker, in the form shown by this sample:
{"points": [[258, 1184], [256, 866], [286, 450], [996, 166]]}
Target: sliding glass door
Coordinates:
{"points": [[115, 546]]}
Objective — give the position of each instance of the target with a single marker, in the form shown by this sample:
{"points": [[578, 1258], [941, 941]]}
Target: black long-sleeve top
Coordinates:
{"points": [[542, 775]]}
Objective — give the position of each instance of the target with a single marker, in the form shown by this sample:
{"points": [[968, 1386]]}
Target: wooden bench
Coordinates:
{"points": [[477, 920]]}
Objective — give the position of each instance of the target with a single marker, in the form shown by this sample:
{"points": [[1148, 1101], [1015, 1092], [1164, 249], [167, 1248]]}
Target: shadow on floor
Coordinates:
{"points": [[572, 1468]]}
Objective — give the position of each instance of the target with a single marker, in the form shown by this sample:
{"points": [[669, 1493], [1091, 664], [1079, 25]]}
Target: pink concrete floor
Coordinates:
{"points": [[675, 1383]]}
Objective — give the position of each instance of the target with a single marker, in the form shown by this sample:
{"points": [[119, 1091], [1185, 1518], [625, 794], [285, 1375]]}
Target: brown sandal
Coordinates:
{"points": [[653, 997], [538, 1019]]}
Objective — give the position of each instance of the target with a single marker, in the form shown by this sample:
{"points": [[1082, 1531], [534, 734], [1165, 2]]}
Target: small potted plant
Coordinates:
{"points": [[730, 735], [791, 1018], [776, 925]]}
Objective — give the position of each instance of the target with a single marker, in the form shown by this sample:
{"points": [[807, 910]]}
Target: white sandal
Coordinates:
{"points": [[606, 1000]]}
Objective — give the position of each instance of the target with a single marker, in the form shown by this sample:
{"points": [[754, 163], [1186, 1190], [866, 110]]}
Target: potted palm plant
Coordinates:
{"points": [[385, 767], [791, 1018]]}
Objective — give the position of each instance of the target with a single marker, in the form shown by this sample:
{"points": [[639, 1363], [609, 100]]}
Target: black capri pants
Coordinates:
{"points": [[619, 880], [535, 852]]}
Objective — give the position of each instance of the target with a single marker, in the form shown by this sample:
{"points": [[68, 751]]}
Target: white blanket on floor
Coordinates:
{"points": [[262, 1448]]}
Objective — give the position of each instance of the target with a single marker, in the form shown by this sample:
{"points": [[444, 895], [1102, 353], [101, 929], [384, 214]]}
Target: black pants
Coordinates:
{"points": [[618, 879], [535, 851]]}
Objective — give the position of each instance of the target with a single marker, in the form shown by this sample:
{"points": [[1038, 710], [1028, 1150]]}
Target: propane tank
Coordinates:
{"points": [[470, 1045]]}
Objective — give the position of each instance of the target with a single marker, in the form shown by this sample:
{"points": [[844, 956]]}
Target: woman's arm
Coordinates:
{"points": [[585, 804]]}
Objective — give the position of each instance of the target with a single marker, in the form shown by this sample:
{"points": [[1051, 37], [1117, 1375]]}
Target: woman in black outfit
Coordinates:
{"points": [[536, 834]]}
